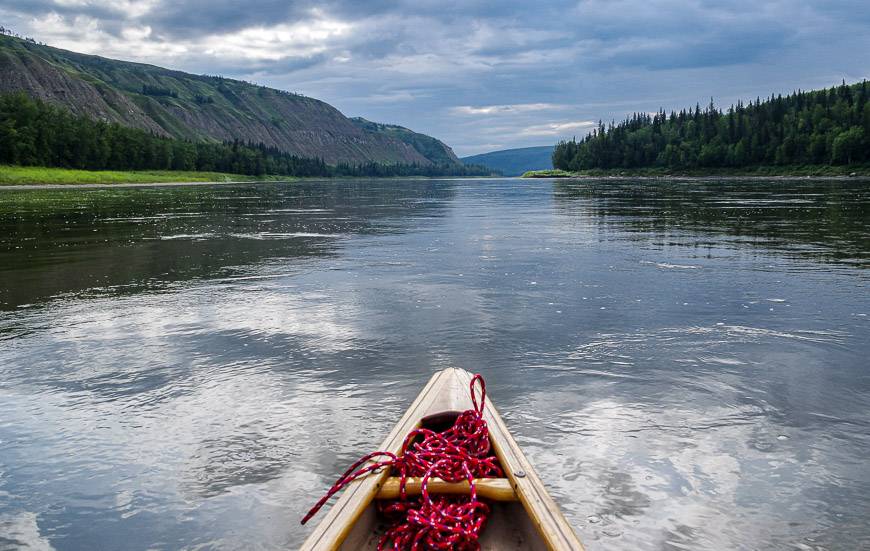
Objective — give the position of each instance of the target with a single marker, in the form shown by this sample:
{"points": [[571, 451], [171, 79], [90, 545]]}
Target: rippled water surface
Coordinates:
{"points": [[686, 363]]}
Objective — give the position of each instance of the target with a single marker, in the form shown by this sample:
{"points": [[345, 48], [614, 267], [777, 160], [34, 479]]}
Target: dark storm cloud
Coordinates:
{"points": [[200, 17], [36, 8], [204, 17], [435, 65], [713, 50]]}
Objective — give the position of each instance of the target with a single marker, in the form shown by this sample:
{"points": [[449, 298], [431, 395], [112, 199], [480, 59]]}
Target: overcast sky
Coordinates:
{"points": [[479, 75]]}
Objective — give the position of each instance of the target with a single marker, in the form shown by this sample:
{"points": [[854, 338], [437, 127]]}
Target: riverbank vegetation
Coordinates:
{"points": [[754, 171], [35, 133], [549, 173], [29, 175], [817, 129]]}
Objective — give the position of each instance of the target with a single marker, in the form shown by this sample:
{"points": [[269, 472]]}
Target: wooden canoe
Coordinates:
{"points": [[523, 516]]}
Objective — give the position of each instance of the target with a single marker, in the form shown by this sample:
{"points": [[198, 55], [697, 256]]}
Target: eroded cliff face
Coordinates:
{"points": [[21, 71], [181, 105]]}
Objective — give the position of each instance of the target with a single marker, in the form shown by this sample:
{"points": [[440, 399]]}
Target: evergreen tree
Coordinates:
{"points": [[824, 127]]}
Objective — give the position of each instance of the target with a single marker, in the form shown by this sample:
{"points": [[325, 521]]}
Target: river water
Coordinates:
{"points": [[685, 362]]}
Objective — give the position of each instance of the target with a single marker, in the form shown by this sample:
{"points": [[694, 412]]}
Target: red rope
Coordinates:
{"points": [[459, 453]]}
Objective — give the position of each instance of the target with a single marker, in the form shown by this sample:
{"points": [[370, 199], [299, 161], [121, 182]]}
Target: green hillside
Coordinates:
{"points": [[185, 106], [433, 149], [514, 162], [34, 133]]}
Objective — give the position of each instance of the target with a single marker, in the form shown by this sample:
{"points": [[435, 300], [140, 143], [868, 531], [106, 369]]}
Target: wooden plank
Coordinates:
{"points": [[496, 489], [541, 508]]}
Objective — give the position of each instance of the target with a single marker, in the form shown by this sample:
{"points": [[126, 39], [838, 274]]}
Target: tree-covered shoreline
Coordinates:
{"points": [[36, 133], [824, 127], [762, 171]]}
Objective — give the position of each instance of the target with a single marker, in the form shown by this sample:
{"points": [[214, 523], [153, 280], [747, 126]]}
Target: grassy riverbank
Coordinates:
{"points": [[799, 170], [549, 173], [35, 175]]}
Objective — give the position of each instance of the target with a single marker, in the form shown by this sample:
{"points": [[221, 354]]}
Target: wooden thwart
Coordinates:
{"points": [[496, 489]]}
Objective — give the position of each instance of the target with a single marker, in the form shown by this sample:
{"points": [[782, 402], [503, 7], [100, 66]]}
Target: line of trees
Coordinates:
{"points": [[830, 126], [9, 32], [36, 133], [378, 170]]}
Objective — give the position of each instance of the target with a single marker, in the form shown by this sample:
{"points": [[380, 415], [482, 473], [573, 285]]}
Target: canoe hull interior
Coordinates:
{"points": [[509, 528], [534, 522]]}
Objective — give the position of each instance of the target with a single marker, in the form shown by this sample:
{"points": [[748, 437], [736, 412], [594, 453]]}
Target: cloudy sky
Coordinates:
{"points": [[479, 75]]}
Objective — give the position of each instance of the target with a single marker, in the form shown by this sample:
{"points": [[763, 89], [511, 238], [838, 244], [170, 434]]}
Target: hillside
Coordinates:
{"points": [[433, 149], [514, 162], [34, 133], [824, 127], [195, 107]]}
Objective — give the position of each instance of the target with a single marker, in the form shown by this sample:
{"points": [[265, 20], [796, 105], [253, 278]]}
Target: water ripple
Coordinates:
{"points": [[190, 367]]}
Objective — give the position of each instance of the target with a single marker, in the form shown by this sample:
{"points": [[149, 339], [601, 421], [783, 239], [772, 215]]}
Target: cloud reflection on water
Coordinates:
{"points": [[666, 408]]}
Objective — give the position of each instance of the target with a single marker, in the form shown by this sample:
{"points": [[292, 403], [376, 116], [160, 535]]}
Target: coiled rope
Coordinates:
{"points": [[462, 452]]}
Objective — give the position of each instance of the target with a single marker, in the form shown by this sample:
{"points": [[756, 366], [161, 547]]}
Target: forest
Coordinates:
{"points": [[36, 133], [823, 127]]}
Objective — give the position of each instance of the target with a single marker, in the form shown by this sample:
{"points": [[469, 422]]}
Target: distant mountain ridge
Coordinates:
{"points": [[514, 162], [196, 107]]}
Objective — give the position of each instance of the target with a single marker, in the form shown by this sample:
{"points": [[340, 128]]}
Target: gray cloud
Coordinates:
{"points": [[416, 62]]}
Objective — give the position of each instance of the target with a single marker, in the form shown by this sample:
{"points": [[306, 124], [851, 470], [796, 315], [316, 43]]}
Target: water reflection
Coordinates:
{"points": [[823, 219], [128, 240], [673, 396], [687, 433]]}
